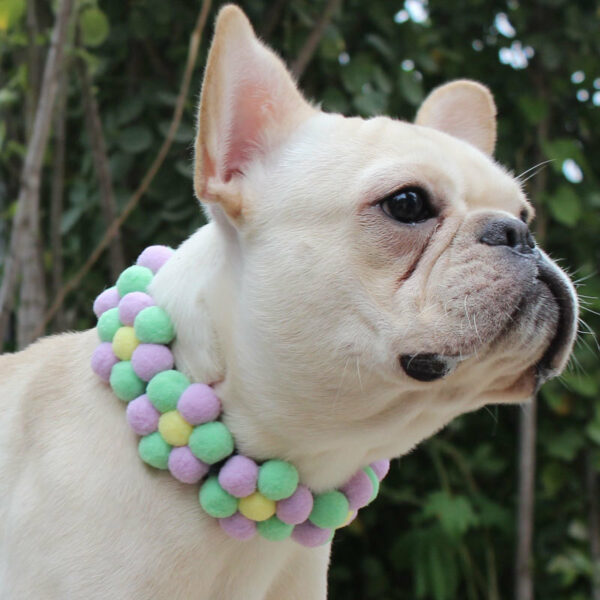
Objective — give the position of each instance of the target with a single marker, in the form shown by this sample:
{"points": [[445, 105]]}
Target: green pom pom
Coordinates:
{"points": [[277, 479], [374, 482], [211, 442], [134, 279], [215, 500], [330, 510], [165, 388], [108, 323], [274, 529], [153, 326], [154, 450], [124, 382]]}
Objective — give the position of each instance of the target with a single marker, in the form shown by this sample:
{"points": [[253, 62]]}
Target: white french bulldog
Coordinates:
{"points": [[359, 284]]}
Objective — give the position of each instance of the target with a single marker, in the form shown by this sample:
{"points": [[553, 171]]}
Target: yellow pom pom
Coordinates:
{"points": [[256, 507], [174, 428], [124, 343]]}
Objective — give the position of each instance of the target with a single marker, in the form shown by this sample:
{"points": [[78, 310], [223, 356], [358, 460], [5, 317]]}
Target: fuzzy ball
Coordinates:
{"points": [[256, 507], [330, 510], [103, 360], [215, 500], [199, 404], [131, 304], [174, 428], [211, 442], [125, 383], [154, 257], [148, 360], [349, 518], [106, 300], [297, 508], [238, 476], [185, 467], [165, 388], [358, 489], [273, 529], [310, 535], [154, 450], [380, 468], [108, 324], [277, 479], [238, 526], [374, 482], [153, 326], [124, 343], [133, 279], [142, 416]]}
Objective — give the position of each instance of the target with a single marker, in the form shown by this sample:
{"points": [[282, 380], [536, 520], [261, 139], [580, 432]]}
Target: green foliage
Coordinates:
{"points": [[443, 527]]}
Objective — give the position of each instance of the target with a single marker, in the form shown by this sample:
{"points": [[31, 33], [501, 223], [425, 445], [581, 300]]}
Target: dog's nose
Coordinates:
{"points": [[509, 232]]}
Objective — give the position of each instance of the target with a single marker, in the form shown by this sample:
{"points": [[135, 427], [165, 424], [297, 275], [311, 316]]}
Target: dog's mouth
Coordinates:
{"points": [[428, 367]]}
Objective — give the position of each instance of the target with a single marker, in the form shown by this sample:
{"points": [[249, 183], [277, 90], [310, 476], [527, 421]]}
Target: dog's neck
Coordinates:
{"points": [[198, 289]]}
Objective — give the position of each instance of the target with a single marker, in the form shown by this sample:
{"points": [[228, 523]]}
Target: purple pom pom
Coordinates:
{"points": [[297, 507], [358, 489], [142, 416], [310, 535], [238, 476], [154, 257], [381, 468], [103, 360], [238, 526], [199, 404], [107, 299], [149, 359], [184, 466], [131, 304]]}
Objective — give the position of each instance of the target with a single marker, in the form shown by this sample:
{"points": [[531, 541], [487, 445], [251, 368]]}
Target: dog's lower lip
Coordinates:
{"points": [[427, 367]]}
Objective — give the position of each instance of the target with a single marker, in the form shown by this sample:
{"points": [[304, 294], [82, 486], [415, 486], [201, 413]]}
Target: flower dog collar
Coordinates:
{"points": [[181, 431]]}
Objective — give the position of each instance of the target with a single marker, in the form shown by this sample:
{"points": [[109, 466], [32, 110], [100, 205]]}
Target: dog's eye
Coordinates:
{"points": [[409, 205]]}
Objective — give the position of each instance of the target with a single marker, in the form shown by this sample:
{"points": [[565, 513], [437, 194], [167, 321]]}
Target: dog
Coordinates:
{"points": [[359, 284]]}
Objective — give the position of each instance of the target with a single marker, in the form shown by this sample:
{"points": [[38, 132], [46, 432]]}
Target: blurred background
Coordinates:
{"points": [[97, 112]]}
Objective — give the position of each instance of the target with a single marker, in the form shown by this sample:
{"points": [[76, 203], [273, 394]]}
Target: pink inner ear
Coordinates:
{"points": [[252, 108]]}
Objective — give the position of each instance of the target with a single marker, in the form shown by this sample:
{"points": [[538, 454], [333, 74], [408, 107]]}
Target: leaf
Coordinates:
{"points": [[357, 72], [371, 103], [565, 206], [334, 100], [10, 13], [411, 87], [455, 513], [94, 26], [566, 444], [135, 139]]}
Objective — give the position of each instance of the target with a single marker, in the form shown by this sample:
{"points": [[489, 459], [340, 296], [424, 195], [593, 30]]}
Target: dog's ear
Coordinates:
{"points": [[249, 104], [464, 109]]}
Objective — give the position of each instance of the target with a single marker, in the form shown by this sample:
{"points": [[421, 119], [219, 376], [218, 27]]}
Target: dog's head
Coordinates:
{"points": [[384, 277]]}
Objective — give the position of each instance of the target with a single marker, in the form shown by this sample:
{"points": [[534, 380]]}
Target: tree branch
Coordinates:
{"points": [[101, 166], [28, 200], [194, 46], [312, 42]]}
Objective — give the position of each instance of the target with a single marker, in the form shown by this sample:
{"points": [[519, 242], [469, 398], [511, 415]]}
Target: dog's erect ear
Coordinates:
{"points": [[249, 104], [464, 109]]}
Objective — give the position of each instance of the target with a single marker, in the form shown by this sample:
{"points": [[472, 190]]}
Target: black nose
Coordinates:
{"points": [[510, 232]]}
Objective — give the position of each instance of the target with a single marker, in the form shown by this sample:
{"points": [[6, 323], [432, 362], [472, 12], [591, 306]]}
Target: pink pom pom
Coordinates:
{"points": [[358, 489], [238, 526], [149, 359], [103, 360], [184, 466], [295, 509], [310, 535], [142, 416], [381, 468], [154, 257], [107, 299], [199, 404], [131, 304], [238, 476]]}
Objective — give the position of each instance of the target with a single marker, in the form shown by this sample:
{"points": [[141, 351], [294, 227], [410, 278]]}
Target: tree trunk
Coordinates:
{"points": [[23, 249]]}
